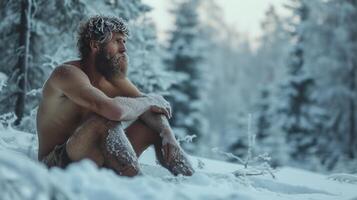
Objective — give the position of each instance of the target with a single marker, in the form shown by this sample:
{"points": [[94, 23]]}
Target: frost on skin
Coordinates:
{"points": [[175, 160], [159, 122], [134, 107], [173, 157], [119, 147]]}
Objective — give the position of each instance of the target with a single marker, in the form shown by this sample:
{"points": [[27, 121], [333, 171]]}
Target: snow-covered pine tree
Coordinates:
{"points": [[273, 48], [322, 48], [19, 47], [49, 20], [45, 20], [299, 112], [226, 50], [351, 16], [271, 55], [332, 49], [263, 121], [185, 53], [237, 132], [245, 72]]}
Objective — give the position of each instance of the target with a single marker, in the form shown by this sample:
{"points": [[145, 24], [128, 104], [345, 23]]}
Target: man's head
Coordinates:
{"points": [[104, 39]]}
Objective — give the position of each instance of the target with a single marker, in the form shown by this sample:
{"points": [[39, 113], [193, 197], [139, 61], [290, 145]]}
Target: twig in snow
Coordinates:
{"points": [[187, 138]]}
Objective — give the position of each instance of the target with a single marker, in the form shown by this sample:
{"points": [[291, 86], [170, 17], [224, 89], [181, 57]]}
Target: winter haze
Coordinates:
{"points": [[245, 16], [263, 96]]}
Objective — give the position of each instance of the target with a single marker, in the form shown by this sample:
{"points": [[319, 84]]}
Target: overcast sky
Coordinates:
{"points": [[245, 15]]}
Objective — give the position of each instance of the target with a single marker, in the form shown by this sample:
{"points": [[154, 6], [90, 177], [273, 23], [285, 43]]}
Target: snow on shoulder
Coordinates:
{"points": [[23, 177]]}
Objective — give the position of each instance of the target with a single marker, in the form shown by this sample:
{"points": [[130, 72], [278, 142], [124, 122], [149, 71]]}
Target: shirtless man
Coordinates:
{"points": [[86, 103]]}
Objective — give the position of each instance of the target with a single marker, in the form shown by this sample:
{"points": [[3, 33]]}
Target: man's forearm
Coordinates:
{"points": [[132, 108], [158, 122]]}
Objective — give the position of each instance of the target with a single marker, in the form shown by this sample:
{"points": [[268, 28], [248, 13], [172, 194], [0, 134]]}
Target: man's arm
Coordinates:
{"points": [[76, 85], [158, 122]]}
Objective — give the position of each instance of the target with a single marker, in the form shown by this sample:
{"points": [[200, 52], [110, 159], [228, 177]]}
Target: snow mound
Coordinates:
{"points": [[23, 177]]}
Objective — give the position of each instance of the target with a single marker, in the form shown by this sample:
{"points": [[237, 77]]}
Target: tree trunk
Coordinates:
{"points": [[352, 85], [22, 64], [352, 119]]}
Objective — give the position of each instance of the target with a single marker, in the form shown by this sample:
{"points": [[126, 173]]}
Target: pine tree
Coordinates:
{"points": [[271, 56], [352, 82], [26, 66], [272, 52], [299, 112], [269, 140], [263, 123], [185, 54], [22, 64], [330, 49]]}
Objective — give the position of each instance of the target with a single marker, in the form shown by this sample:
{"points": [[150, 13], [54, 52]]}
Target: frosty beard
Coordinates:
{"points": [[111, 66]]}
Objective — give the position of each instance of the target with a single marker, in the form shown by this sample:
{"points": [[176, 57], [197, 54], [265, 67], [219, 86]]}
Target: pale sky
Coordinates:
{"points": [[245, 15]]}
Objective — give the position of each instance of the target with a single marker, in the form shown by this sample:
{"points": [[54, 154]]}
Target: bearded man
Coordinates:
{"points": [[91, 110]]}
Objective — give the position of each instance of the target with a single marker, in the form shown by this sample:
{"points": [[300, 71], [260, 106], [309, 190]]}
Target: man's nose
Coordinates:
{"points": [[122, 49]]}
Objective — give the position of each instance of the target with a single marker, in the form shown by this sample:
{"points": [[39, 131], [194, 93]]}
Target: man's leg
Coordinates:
{"points": [[141, 137], [104, 142], [170, 156]]}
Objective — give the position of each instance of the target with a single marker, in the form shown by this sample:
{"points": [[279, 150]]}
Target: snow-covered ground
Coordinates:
{"points": [[22, 177]]}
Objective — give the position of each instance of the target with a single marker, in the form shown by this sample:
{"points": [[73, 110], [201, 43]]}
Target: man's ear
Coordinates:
{"points": [[94, 46]]}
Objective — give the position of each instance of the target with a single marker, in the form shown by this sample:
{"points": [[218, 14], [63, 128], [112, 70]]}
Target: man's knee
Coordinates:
{"points": [[101, 124], [98, 120], [93, 129]]}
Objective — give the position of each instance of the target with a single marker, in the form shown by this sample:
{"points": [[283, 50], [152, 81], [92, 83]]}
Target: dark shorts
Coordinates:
{"points": [[58, 157]]}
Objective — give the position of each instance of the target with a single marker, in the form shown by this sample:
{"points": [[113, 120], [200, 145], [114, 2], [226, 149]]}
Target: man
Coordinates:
{"points": [[86, 104]]}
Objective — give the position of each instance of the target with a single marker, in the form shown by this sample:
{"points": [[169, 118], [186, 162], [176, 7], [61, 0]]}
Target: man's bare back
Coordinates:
{"points": [[84, 102]]}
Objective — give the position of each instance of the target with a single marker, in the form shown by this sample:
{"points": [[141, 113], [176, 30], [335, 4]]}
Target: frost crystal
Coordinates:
{"points": [[119, 146]]}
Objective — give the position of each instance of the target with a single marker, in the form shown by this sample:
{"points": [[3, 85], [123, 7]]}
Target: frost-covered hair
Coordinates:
{"points": [[100, 29]]}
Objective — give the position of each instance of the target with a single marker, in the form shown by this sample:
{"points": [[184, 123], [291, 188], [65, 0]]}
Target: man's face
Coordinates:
{"points": [[111, 60]]}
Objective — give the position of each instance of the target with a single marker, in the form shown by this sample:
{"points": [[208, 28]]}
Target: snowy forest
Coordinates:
{"points": [[290, 99]]}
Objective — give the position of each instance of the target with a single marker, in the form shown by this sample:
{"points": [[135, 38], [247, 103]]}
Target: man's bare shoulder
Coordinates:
{"points": [[67, 72], [63, 76], [74, 63]]}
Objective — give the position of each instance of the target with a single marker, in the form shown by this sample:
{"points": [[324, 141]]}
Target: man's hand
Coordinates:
{"points": [[160, 110], [160, 105]]}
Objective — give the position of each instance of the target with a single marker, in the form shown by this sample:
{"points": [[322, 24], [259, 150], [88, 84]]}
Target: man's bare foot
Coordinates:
{"points": [[175, 160]]}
